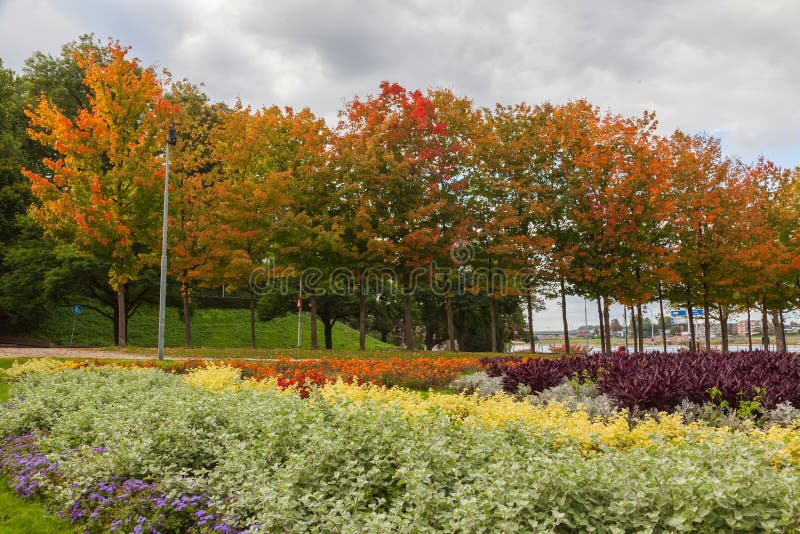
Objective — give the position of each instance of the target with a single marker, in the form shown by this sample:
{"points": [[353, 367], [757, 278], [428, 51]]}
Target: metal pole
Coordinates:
{"points": [[72, 335], [299, 317], [162, 292]]}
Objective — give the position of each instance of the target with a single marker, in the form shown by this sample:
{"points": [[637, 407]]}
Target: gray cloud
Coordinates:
{"points": [[727, 67]]}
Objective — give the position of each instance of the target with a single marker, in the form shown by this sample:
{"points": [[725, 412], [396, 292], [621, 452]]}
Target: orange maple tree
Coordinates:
{"points": [[103, 190]]}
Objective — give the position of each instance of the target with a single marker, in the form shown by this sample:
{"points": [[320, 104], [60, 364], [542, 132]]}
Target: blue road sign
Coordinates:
{"points": [[682, 313], [77, 309]]}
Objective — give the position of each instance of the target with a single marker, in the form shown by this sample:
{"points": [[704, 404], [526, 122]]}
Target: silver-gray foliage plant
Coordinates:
{"points": [[578, 396], [478, 382], [783, 414]]}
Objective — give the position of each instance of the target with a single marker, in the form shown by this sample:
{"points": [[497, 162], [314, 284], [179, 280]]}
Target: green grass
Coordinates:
{"points": [[19, 516], [210, 328]]}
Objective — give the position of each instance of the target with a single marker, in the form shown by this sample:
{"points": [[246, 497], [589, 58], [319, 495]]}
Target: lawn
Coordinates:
{"points": [[298, 354], [18, 515], [210, 328]]}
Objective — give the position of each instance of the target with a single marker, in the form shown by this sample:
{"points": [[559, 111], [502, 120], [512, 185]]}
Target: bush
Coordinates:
{"points": [[783, 414], [478, 382], [577, 396], [34, 365]]}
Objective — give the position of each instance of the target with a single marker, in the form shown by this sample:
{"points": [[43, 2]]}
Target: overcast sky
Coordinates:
{"points": [[729, 68]]}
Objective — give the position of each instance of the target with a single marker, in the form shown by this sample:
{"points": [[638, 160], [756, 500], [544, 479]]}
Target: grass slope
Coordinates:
{"points": [[210, 328], [20, 515]]}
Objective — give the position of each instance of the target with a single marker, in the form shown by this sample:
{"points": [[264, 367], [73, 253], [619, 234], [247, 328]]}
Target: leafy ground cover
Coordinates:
{"points": [[210, 328], [141, 447]]}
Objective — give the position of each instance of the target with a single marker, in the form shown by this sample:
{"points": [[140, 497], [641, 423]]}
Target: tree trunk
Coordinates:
{"points": [[122, 339], [706, 318], [429, 338], [663, 321], [501, 328], [328, 327], [313, 332], [764, 325], [749, 329], [606, 317], [451, 329], [723, 321], [116, 323], [531, 337], [252, 319], [692, 345], [362, 320], [564, 316], [408, 336], [635, 330], [641, 326], [602, 325], [783, 331], [493, 321], [780, 341], [187, 315]]}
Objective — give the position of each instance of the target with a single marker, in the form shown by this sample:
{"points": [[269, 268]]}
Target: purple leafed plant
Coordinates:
{"points": [[662, 380]]}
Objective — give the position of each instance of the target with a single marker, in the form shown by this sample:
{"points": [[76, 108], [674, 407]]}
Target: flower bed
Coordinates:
{"points": [[144, 450], [420, 373]]}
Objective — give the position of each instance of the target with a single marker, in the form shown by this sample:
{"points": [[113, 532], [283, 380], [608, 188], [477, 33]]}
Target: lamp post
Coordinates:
{"points": [[300, 316], [172, 138]]}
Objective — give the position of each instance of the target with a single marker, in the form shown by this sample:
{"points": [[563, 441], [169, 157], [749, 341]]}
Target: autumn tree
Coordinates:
{"points": [[192, 179], [505, 203], [101, 191], [764, 230], [619, 215], [249, 199], [393, 155], [567, 133], [308, 236]]}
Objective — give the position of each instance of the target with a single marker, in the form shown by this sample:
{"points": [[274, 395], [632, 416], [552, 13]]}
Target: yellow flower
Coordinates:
{"points": [[215, 377]]}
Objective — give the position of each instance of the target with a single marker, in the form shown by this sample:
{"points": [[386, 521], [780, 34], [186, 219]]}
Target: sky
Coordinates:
{"points": [[729, 68]]}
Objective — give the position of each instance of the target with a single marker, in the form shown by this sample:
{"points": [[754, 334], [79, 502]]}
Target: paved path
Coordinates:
{"points": [[9, 352], [27, 352]]}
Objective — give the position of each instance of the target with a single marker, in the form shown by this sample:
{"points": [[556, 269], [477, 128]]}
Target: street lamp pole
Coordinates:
{"points": [[172, 138]]}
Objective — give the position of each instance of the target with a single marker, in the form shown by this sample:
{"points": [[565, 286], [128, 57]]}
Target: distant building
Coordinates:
{"points": [[755, 328]]}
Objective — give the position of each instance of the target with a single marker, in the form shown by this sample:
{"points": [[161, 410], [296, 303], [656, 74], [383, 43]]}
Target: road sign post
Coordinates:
{"points": [[76, 310]]}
